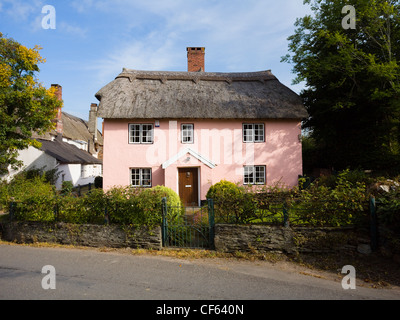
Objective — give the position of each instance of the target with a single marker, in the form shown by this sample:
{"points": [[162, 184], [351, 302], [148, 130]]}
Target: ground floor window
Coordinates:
{"points": [[254, 175], [141, 177]]}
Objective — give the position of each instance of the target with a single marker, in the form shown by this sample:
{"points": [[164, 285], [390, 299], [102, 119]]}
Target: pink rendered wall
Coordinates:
{"points": [[218, 140]]}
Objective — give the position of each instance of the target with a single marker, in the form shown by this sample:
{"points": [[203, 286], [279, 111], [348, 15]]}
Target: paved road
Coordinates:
{"points": [[91, 274]]}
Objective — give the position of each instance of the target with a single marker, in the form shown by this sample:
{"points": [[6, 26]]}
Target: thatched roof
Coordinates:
{"points": [[198, 95], [75, 128]]}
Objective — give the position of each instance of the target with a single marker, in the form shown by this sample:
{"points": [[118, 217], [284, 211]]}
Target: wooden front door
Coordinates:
{"points": [[189, 186]]}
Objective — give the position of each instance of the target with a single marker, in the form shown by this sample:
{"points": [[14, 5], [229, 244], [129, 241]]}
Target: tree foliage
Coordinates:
{"points": [[25, 105], [352, 79]]}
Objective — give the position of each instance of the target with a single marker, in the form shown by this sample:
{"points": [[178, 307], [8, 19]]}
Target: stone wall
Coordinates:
{"points": [[113, 236], [228, 237], [263, 238]]}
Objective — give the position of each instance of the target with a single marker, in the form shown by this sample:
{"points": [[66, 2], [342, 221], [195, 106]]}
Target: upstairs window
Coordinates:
{"points": [[253, 132], [141, 133], [141, 177], [187, 133]]}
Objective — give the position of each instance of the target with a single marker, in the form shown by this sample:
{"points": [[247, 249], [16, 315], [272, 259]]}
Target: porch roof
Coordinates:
{"points": [[193, 153]]}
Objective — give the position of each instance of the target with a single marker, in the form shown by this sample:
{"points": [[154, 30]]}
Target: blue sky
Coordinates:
{"points": [[94, 40]]}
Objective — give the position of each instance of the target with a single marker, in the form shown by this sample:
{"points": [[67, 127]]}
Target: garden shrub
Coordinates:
{"points": [[345, 203], [67, 187], [232, 204], [388, 209], [94, 201], [86, 209], [139, 206], [70, 209], [34, 198], [37, 200], [120, 204]]}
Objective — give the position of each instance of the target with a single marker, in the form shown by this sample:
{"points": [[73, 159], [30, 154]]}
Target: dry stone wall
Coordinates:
{"points": [[228, 237], [262, 238], [113, 236]]}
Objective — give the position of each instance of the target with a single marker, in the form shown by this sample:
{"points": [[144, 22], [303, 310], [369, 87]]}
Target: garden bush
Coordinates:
{"points": [[345, 203], [86, 209], [232, 203], [37, 200], [34, 198], [139, 206], [388, 209]]}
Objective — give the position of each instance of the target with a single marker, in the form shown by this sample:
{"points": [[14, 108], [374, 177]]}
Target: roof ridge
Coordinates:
{"points": [[164, 76]]}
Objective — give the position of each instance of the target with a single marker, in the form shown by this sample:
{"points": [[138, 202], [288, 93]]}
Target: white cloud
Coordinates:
{"points": [[151, 53], [82, 5], [21, 10], [238, 35], [70, 29]]}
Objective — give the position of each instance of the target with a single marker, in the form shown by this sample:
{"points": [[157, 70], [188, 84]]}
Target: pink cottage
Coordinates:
{"points": [[190, 130]]}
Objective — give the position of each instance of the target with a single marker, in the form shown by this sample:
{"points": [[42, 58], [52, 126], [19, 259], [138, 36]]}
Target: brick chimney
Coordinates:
{"points": [[92, 124], [195, 57], [58, 119]]}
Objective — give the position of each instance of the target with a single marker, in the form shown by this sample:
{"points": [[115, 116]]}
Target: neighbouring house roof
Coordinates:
{"points": [[66, 153], [198, 95], [74, 128]]}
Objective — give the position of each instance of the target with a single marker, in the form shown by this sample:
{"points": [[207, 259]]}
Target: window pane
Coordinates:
{"points": [[248, 133], [187, 133], [258, 132], [136, 177], [260, 174], [134, 133], [248, 175], [147, 133], [146, 177]]}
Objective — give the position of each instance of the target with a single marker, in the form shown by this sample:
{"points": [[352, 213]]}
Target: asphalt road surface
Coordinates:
{"points": [[91, 274]]}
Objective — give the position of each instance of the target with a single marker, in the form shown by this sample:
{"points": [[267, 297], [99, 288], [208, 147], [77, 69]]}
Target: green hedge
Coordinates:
{"points": [[344, 202], [37, 200], [232, 203]]}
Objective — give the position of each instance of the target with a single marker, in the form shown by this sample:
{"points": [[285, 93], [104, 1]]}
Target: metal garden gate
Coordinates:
{"points": [[188, 227]]}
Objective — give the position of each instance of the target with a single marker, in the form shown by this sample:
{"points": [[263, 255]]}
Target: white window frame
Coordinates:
{"points": [[187, 131], [139, 133], [254, 175], [249, 132], [140, 177]]}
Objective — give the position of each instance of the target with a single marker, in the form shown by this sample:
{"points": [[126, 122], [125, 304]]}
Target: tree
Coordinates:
{"points": [[25, 105], [352, 79]]}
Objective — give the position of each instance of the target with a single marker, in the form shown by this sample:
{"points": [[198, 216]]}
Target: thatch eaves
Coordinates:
{"points": [[198, 95]]}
